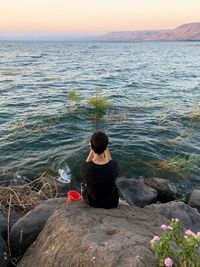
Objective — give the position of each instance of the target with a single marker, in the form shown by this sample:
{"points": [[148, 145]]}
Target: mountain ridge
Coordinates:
{"points": [[184, 32]]}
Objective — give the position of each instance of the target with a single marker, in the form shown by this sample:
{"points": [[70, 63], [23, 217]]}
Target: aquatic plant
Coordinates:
{"points": [[37, 128], [17, 126], [175, 164], [69, 109], [195, 114], [98, 103], [175, 247], [117, 117], [187, 134], [72, 96], [183, 164]]}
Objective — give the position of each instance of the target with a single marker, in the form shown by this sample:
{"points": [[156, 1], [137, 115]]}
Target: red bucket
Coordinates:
{"points": [[72, 195]]}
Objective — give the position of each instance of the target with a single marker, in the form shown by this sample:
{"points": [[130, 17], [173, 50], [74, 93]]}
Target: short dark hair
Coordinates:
{"points": [[99, 142]]}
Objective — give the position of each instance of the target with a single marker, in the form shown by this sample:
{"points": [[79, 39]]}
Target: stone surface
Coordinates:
{"points": [[167, 191], [189, 217], [3, 254], [135, 192], [194, 200], [25, 231], [10, 178], [14, 217], [78, 235]]}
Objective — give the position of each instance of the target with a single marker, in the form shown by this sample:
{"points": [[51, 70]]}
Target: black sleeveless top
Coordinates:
{"points": [[100, 190]]}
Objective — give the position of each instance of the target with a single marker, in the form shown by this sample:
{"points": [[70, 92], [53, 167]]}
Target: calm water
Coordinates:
{"points": [[152, 89]]}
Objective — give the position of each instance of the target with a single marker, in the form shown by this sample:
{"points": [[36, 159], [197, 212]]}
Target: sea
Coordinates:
{"points": [[152, 118]]}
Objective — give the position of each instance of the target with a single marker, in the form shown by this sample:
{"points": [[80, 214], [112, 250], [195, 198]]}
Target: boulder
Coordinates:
{"points": [[25, 231], [14, 217], [4, 259], [136, 192], [189, 217], [167, 191], [10, 178], [78, 235], [194, 200]]}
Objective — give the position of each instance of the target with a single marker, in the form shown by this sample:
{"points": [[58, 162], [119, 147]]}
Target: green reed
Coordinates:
{"points": [[98, 103], [73, 97], [176, 163]]}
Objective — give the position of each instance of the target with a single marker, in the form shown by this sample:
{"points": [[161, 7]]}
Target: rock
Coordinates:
{"points": [[194, 200], [78, 235], [25, 231], [14, 217], [10, 178], [4, 259], [135, 192], [167, 191], [189, 217]]}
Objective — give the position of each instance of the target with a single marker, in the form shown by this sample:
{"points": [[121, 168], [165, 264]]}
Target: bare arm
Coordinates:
{"points": [[90, 156], [107, 154]]}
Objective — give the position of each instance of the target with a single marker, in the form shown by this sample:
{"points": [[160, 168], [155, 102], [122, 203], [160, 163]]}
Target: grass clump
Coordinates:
{"points": [[195, 114], [17, 126], [194, 111], [175, 164], [98, 103], [73, 97]]}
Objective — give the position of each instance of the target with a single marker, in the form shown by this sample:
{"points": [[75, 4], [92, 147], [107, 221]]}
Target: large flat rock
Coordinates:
{"points": [[78, 235]]}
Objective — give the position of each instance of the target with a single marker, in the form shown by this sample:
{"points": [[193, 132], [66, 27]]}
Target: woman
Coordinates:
{"points": [[100, 173]]}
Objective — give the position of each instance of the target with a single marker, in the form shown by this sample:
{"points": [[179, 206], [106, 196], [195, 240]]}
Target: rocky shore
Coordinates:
{"points": [[54, 234]]}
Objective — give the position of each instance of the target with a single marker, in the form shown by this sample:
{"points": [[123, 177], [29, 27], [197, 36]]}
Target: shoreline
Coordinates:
{"points": [[141, 195]]}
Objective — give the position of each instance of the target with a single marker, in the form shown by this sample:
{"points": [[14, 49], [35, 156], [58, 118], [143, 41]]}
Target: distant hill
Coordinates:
{"points": [[185, 32]]}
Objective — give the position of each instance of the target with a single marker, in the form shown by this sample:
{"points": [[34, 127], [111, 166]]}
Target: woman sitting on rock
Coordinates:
{"points": [[100, 173]]}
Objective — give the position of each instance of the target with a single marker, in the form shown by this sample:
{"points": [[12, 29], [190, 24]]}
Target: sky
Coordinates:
{"points": [[77, 17]]}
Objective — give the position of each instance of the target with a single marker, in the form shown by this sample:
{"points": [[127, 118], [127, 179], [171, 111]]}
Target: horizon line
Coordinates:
{"points": [[67, 36]]}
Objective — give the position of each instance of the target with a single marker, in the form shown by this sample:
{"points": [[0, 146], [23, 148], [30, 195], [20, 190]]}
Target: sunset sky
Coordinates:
{"points": [[94, 16]]}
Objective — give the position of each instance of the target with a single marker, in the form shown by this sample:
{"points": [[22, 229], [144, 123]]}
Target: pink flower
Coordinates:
{"points": [[168, 262], [163, 226], [197, 236], [155, 239], [189, 232]]}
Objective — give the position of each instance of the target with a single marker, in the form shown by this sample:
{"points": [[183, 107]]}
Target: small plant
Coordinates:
{"points": [[179, 164], [72, 96], [195, 115], [175, 164], [176, 248], [17, 126], [98, 103]]}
